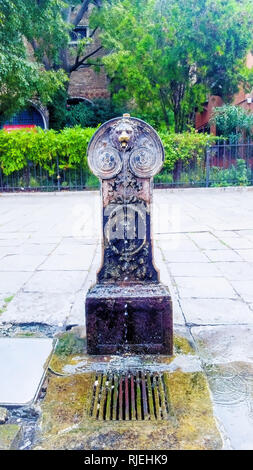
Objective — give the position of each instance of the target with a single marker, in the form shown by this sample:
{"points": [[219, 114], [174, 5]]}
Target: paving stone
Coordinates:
{"points": [[178, 318], [49, 308], [246, 255], [70, 262], [38, 239], [209, 287], [11, 282], [21, 262], [207, 241], [237, 243], [9, 436], [56, 281], [77, 312], [216, 311], [236, 271], [232, 390], [22, 363], [175, 256], [223, 344], [223, 234], [36, 249], [177, 243], [222, 255], [244, 289], [194, 269]]}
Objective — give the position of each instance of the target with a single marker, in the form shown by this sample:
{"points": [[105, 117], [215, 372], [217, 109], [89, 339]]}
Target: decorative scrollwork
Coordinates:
{"points": [[144, 162], [105, 163]]}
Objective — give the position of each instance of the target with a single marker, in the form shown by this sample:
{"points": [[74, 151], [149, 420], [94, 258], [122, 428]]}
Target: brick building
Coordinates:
{"points": [[86, 83]]}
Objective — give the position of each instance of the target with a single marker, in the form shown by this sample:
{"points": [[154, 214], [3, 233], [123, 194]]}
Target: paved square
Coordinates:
{"points": [[203, 244], [50, 252]]}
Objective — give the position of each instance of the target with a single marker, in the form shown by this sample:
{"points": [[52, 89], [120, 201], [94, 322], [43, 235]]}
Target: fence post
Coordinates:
{"points": [[58, 175], [207, 165], [1, 181]]}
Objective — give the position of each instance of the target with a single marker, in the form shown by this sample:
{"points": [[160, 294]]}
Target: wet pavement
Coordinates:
{"points": [[50, 251]]}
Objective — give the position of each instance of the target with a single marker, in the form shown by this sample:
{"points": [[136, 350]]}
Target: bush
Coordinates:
{"points": [[237, 175], [43, 148], [186, 147], [232, 122]]}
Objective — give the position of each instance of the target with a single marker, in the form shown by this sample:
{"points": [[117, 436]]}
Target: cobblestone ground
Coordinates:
{"points": [[203, 244]]}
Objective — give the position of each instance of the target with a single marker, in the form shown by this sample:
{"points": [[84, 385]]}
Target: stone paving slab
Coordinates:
{"points": [[227, 357], [11, 282], [244, 289], [22, 363], [223, 344], [208, 287], [222, 255], [194, 269], [39, 307], [211, 311], [22, 262], [56, 281]]}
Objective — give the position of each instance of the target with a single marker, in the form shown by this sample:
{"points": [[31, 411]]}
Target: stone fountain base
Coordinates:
{"points": [[135, 318]]}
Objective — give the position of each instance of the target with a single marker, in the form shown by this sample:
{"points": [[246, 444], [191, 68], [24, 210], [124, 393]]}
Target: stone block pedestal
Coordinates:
{"points": [[135, 319]]}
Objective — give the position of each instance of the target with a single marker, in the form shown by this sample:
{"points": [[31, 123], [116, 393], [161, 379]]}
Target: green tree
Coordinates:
{"points": [[166, 55], [233, 121], [22, 75]]}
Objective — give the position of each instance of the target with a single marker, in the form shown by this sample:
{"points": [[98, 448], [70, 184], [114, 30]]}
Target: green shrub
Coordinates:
{"points": [[43, 148], [237, 175], [67, 150], [185, 147]]}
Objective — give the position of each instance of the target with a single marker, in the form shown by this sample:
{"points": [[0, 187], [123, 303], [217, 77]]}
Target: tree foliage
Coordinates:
{"points": [[83, 114], [233, 121], [22, 76], [166, 55]]}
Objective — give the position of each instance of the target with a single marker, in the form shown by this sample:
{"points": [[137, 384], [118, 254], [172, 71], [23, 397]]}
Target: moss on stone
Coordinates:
{"points": [[182, 345], [9, 436], [66, 422], [69, 344]]}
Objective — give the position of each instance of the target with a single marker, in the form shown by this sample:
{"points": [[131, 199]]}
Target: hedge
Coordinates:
{"points": [[69, 146]]}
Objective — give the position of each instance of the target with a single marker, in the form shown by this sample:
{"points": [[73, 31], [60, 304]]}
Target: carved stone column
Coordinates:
{"points": [[128, 310]]}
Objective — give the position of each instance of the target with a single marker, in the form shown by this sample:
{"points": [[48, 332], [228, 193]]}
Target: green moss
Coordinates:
{"points": [[9, 436], [67, 424], [8, 299], [182, 345], [69, 344]]}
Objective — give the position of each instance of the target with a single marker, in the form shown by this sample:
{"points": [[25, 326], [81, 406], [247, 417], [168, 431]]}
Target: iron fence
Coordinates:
{"points": [[36, 178], [223, 164]]}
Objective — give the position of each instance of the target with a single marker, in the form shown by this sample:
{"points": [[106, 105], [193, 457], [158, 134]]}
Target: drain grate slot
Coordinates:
{"points": [[130, 396]]}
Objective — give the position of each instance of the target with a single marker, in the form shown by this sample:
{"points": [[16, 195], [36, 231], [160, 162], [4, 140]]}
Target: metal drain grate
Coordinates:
{"points": [[132, 396]]}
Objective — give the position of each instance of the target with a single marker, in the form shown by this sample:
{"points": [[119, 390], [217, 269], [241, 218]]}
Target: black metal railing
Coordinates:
{"points": [[222, 164]]}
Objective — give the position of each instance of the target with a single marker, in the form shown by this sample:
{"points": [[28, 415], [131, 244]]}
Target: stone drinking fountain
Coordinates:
{"points": [[128, 310]]}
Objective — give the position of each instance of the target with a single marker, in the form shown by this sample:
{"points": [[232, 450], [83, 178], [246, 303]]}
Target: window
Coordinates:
{"points": [[78, 33]]}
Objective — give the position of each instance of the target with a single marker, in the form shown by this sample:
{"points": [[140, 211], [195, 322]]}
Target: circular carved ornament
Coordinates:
{"points": [[129, 139], [145, 162], [105, 163]]}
